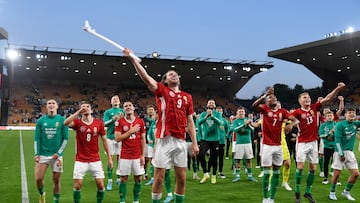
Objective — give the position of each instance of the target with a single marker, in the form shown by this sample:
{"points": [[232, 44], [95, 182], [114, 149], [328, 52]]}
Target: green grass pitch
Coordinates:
{"points": [[223, 191]]}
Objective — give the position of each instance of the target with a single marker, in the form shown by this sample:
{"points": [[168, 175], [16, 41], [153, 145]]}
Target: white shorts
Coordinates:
{"points": [[54, 164], [128, 166], [243, 151], [170, 151], [233, 146], [94, 168], [349, 163], [307, 151], [114, 147], [321, 147], [271, 155], [149, 151]]}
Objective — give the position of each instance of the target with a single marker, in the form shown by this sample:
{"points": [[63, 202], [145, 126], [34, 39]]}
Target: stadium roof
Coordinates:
{"points": [[223, 76], [333, 59]]}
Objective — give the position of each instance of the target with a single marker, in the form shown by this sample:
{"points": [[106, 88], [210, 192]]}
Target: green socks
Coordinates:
{"points": [[309, 181], [100, 196], [298, 177], [274, 182], [179, 198], [76, 196], [137, 191], [265, 182]]}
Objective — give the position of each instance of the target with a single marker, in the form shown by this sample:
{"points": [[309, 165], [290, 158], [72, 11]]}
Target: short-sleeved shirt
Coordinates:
{"points": [[308, 122], [131, 147], [87, 139], [173, 109], [271, 124]]}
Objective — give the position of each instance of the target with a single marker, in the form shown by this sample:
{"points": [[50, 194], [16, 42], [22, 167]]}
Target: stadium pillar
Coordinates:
{"points": [[4, 93]]}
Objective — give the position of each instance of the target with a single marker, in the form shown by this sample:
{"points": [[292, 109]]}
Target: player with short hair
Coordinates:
{"points": [[224, 129], [130, 130], [344, 157], [323, 119], [87, 159], [272, 154], [110, 117], [210, 121], [51, 137], [326, 133], [243, 143], [175, 110], [307, 142], [149, 119]]}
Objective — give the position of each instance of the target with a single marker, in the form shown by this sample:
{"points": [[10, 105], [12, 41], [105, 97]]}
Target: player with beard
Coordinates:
{"points": [[210, 121], [87, 158], [272, 154], [175, 110]]}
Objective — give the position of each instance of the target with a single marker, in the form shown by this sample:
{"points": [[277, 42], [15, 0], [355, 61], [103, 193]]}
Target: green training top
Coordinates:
{"points": [[224, 129], [51, 135], [326, 136], [210, 126], [109, 122], [345, 135], [242, 130], [150, 135]]}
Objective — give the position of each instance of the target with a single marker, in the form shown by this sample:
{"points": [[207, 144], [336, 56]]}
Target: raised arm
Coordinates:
{"points": [[148, 80], [341, 106], [333, 93], [260, 100]]}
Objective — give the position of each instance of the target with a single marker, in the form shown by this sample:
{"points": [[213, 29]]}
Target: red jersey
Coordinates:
{"points": [[87, 139], [271, 124], [309, 122], [131, 147], [173, 109]]}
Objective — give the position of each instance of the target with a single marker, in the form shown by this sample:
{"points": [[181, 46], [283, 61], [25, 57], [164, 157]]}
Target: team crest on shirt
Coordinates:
{"points": [[82, 129], [95, 130], [303, 116], [280, 116], [125, 128], [270, 114], [172, 94], [57, 124]]}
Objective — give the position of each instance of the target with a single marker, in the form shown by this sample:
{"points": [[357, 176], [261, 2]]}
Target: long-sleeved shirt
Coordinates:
{"points": [[210, 126], [345, 135], [110, 122], [51, 136], [326, 136]]}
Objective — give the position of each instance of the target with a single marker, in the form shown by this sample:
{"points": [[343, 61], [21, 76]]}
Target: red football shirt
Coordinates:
{"points": [[87, 139], [309, 122], [271, 124], [173, 109], [131, 147]]}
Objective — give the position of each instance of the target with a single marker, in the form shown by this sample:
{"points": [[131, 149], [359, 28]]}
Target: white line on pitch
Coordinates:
{"points": [[24, 186]]}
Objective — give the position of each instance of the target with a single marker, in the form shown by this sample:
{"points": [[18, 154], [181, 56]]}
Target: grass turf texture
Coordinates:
{"points": [[223, 191]]}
